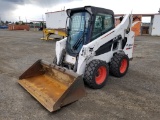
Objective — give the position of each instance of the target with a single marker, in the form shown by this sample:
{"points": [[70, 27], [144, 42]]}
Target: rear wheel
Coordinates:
{"points": [[119, 65], [96, 74]]}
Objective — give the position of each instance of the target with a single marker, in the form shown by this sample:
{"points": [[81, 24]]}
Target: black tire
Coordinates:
{"points": [[55, 60], [119, 65], [95, 76]]}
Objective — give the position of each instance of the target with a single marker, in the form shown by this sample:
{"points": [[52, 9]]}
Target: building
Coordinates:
{"points": [[151, 28]]}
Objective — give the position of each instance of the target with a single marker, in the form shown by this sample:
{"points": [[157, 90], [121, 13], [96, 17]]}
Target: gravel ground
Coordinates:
{"points": [[136, 96]]}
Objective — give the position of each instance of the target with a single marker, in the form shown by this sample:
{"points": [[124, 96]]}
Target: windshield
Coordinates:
{"points": [[77, 33]]}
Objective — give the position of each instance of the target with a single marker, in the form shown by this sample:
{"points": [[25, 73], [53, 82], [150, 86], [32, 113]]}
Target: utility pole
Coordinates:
{"points": [[0, 20], [26, 19], [42, 25], [159, 11], [42, 18]]}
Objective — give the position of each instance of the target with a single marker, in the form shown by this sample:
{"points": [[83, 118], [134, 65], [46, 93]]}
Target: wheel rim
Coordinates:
{"points": [[101, 75], [123, 66]]}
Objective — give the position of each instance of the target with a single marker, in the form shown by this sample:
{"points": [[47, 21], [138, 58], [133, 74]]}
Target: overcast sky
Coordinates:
{"points": [[29, 10]]}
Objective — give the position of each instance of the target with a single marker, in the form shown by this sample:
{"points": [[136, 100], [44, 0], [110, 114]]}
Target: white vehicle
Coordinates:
{"points": [[93, 48]]}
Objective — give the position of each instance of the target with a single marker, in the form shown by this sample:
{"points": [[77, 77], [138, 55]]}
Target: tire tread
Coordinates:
{"points": [[115, 63], [89, 72]]}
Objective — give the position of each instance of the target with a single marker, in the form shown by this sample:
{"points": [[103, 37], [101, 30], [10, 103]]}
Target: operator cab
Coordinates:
{"points": [[85, 25]]}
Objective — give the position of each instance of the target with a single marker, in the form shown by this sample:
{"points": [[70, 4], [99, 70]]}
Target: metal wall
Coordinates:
{"points": [[56, 20], [156, 25]]}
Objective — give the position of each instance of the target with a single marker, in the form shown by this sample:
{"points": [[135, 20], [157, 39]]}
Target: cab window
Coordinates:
{"points": [[103, 23]]}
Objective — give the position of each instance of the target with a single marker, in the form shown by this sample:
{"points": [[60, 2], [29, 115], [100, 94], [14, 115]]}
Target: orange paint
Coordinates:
{"points": [[137, 27], [18, 27]]}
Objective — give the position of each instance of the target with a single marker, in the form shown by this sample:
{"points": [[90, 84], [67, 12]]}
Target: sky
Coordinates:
{"points": [[33, 10]]}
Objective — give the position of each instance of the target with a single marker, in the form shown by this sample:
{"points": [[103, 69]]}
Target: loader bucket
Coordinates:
{"points": [[51, 85]]}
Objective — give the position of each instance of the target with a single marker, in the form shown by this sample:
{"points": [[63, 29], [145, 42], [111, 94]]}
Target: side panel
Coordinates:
{"points": [[56, 20], [128, 49], [156, 26], [60, 45]]}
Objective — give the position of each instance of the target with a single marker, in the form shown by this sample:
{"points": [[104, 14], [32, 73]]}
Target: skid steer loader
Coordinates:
{"points": [[93, 48]]}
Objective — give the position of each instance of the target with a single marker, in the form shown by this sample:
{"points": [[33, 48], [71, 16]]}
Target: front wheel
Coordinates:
{"points": [[96, 74], [119, 65]]}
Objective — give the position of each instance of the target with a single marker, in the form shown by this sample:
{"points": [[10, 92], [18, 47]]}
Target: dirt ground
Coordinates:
{"points": [[136, 96]]}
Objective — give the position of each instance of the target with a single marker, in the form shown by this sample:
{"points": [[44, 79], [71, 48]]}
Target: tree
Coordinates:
{"points": [[16, 23], [6, 22], [2, 22]]}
